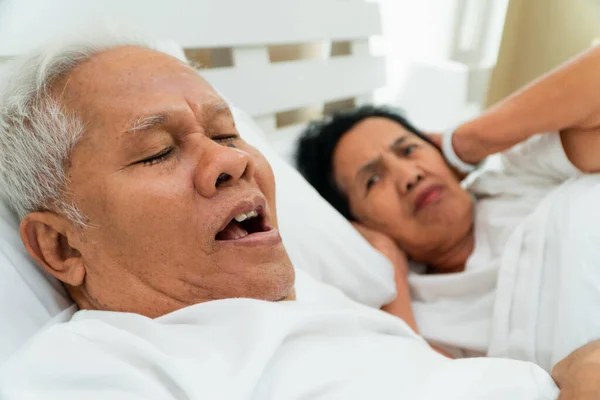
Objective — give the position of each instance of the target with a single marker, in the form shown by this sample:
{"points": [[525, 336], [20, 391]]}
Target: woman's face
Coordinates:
{"points": [[400, 185]]}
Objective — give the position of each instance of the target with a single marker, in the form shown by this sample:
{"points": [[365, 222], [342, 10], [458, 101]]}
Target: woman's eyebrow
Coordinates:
{"points": [[368, 168], [398, 142], [375, 163]]}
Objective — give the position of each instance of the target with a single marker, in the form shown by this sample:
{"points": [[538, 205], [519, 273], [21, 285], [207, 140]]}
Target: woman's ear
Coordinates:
{"points": [[46, 238]]}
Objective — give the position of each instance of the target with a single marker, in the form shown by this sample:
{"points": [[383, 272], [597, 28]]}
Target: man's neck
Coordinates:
{"points": [[453, 259]]}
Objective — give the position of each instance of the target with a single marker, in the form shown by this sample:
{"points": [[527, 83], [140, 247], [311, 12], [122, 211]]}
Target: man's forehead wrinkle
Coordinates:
{"points": [[209, 112]]}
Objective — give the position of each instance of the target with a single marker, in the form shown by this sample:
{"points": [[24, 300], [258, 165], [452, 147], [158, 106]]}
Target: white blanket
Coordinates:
{"points": [[323, 346], [548, 289]]}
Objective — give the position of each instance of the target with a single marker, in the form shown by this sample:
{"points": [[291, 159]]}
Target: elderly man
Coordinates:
{"points": [[136, 191]]}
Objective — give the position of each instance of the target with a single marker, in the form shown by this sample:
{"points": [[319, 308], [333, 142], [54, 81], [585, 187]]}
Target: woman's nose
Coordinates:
{"points": [[408, 175], [222, 166], [413, 181]]}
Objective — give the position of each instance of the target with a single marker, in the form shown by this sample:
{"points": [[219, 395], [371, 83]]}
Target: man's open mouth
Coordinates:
{"points": [[243, 225]]}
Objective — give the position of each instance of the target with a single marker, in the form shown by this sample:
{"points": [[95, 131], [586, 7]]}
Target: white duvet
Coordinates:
{"points": [[549, 281], [323, 346]]}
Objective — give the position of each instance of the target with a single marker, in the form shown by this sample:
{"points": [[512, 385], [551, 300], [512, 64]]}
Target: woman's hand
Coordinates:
{"points": [[401, 306], [578, 375], [386, 246]]}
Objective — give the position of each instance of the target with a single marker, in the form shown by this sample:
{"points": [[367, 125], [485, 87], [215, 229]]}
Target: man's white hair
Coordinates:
{"points": [[37, 133]]}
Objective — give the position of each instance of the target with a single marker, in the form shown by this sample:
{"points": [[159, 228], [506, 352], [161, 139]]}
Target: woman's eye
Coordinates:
{"points": [[409, 149], [158, 158], [372, 181]]}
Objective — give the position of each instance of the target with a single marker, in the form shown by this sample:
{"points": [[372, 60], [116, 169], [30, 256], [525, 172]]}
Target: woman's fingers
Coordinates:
{"points": [[385, 245]]}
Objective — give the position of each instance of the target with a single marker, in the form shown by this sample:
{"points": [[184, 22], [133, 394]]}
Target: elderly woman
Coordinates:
{"points": [[510, 263], [137, 192]]}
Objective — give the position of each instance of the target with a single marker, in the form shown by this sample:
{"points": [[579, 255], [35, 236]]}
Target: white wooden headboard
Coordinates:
{"points": [[245, 30]]}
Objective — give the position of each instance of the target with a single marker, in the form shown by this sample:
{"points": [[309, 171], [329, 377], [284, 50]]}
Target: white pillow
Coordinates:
{"points": [[318, 239], [29, 297]]}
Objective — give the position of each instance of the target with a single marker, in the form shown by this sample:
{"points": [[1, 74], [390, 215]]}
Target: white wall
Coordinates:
{"points": [[440, 54], [540, 35], [21, 16], [413, 30]]}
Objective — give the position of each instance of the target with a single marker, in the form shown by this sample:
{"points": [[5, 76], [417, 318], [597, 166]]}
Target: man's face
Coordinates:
{"points": [[400, 185], [161, 173]]}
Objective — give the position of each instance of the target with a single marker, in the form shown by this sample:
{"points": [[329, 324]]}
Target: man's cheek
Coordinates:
{"points": [[264, 175]]}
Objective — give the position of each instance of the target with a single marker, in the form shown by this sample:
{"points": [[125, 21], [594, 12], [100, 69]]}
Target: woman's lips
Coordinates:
{"points": [[428, 196]]}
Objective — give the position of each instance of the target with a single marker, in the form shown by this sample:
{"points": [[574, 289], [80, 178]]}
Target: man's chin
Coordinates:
{"points": [[279, 286]]}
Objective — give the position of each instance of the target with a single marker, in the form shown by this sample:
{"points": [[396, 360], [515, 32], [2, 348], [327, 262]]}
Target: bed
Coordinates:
{"points": [[280, 63]]}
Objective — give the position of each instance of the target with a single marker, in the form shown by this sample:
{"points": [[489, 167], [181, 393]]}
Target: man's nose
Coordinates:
{"points": [[220, 167]]}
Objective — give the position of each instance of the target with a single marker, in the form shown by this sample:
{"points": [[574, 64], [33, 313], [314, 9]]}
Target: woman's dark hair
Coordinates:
{"points": [[314, 154]]}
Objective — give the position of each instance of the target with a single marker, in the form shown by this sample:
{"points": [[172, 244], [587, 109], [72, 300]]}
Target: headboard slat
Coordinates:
{"points": [[297, 84], [197, 24]]}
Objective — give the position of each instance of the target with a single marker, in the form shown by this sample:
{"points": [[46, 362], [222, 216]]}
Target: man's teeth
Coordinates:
{"points": [[243, 217]]}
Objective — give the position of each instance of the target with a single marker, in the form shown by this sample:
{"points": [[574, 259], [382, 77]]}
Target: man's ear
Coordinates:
{"points": [[46, 237]]}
